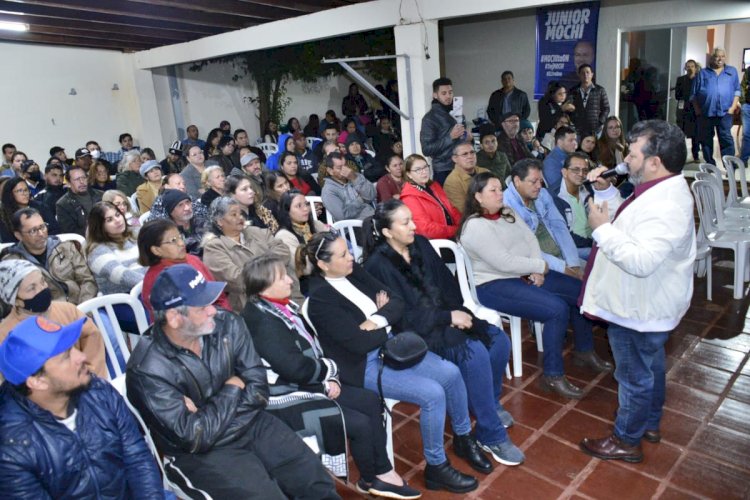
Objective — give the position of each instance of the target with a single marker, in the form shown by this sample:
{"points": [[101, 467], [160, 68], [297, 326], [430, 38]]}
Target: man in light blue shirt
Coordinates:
{"points": [[566, 143], [716, 97]]}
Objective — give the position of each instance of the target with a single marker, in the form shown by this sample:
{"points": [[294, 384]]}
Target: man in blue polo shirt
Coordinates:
{"points": [[716, 97]]}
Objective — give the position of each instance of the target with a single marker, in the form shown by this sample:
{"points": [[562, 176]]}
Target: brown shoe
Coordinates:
{"points": [[561, 386], [611, 448], [591, 360], [652, 436]]}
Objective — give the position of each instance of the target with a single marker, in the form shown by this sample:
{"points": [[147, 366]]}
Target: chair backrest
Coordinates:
{"points": [[717, 178], [72, 237], [101, 309], [463, 272], [346, 228], [733, 164], [134, 203], [371, 153], [704, 193], [144, 217], [312, 141], [327, 217], [135, 292], [6, 245], [268, 147]]}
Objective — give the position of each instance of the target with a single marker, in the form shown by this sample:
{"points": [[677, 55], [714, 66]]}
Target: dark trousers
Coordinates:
{"points": [[723, 126], [440, 177], [269, 461], [366, 431]]}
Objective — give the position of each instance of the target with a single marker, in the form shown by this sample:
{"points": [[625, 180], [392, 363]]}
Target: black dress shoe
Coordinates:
{"points": [[467, 448], [445, 477], [652, 436], [387, 490], [612, 448], [591, 360], [561, 386]]}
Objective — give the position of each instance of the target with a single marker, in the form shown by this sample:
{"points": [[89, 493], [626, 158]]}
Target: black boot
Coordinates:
{"points": [[467, 448], [445, 477]]}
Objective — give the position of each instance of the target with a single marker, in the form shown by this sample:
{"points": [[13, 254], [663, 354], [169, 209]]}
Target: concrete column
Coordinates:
{"points": [[145, 112], [415, 84]]}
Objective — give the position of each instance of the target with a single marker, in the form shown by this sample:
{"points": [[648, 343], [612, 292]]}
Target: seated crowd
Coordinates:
{"points": [[245, 391]]}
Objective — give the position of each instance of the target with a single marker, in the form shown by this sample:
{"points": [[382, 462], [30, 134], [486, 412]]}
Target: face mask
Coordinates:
{"points": [[35, 176], [40, 302], [95, 154]]}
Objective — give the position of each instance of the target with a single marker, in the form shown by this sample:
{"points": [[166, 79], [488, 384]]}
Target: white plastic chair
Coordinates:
{"points": [[346, 228], [726, 219], [72, 237], [371, 153], [93, 307], [268, 148], [312, 200], [390, 403], [465, 276], [703, 262], [741, 199], [5, 245], [134, 204], [144, 217], [312, 141], [737, 241], [712, 173]]}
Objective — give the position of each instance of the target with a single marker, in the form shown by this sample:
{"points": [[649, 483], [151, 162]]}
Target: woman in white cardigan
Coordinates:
{"points": [[512, 277]]}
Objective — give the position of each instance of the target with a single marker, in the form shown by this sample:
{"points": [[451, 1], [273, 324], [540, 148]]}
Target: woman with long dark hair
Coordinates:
{"points": [[611, 146], [301, 181], [15, 196], [276, 185], [408, 265], [241, 189], [552, 105]]}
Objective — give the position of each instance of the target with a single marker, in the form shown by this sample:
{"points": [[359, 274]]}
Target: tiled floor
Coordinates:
{"points": [[705, 449]]}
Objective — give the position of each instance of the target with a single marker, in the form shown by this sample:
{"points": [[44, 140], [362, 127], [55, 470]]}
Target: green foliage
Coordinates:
{"points": [[272, 69]]}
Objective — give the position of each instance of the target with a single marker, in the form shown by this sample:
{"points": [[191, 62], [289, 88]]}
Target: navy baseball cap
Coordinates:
{"points": [[32, 342], [183, 285]]}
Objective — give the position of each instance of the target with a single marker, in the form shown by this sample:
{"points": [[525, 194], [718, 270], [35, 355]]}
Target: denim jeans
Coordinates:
{"points": [[482, 370], [436, 386], [554, 304], [745, 154], [639, 361], [723, 125]]}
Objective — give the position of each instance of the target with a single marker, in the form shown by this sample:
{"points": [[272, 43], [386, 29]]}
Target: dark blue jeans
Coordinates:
{"points": [[639, 358], [723, 126], [745, 154], [554, 304], [482, 370]]}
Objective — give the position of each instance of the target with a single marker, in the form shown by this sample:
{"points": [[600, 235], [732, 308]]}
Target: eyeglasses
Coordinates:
{"points": [[331, 235], [21, 191], [177, 240], [579, 171], [82, 178], [467, 154], [420, 169], [34, 231]]}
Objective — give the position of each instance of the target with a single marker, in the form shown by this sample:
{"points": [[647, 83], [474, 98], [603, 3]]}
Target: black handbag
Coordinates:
{"points": [[399, 352]]}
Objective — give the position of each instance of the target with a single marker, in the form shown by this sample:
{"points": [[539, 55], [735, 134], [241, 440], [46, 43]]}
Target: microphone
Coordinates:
{"points": [[620, 169]]}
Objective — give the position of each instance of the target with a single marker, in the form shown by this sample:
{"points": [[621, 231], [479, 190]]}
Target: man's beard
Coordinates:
{"points": [[636, 178]]}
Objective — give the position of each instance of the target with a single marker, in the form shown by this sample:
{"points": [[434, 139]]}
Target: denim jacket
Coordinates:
{"points": [[553, 221]]}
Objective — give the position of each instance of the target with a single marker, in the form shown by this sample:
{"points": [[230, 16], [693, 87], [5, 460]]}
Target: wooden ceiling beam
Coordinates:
{"points": [[123, 39], [226, 7], [69, 40]]}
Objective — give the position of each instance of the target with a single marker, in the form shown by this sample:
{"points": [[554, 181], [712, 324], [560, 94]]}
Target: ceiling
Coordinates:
{"points": [[132, 25]]}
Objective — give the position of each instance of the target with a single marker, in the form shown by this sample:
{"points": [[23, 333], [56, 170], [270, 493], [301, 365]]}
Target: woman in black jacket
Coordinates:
{"points": [[407, 263], [551, 106], [353, 313], [301, 379]]}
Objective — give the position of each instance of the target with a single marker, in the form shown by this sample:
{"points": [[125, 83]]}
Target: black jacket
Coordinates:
{"points": [[435, 137], [429, 290], [336, 319], [71, 216], [161, 374], [105, 458], [549, 113], [519, 103], [590, 119]]}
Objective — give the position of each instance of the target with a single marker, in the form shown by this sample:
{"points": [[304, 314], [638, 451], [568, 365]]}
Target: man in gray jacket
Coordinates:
{"points": [[348, 195]]}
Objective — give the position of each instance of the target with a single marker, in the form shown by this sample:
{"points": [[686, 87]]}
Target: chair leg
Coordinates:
{"points": [[709, 265], [390, 403], [515, 344], [538, 327], [740, 266]]}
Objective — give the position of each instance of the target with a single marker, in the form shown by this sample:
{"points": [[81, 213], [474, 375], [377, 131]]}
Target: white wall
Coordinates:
{"points": [[736, 39], [696, 44], [38, 113]]}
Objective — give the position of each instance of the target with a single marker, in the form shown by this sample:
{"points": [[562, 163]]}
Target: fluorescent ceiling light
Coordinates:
{"points": [[6, 25]]}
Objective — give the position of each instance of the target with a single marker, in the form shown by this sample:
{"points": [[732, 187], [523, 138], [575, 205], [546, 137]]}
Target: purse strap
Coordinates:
{"points": [[381, 363]]}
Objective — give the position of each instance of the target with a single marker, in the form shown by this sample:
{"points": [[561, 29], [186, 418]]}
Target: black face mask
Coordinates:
{"points": [[35, 176], [40, 302]]}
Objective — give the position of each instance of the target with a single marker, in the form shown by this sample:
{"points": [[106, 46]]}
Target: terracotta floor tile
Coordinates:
{"points": [[687, 327], [610, 480], [516, 483], [692, 402], [724, 444], [717, 357], [673, 494], [519, 434], [533, 388], [599, 402], [555, 460], [730, 339], [732, 414], [407, 442], [700, 377], [575, 426], [531, 411], [407, 409], [741, 389], [677, 344], [712, 479], [658, 459], [700, 315], [677, 428], [608, 382]]}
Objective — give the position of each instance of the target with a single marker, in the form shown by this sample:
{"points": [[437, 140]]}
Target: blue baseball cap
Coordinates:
{"points": [[183, 285], [31, 343]]}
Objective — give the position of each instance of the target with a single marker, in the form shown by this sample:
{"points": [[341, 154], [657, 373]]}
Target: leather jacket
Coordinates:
{"points": [[435, 137], [106, 457], [160, 375]]}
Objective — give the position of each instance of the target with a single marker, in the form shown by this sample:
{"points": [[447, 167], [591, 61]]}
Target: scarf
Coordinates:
{"points": [[302, 230]]}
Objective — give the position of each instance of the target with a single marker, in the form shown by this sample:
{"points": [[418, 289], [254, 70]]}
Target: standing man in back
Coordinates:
{"points": [[507, 99], [440, 131]]}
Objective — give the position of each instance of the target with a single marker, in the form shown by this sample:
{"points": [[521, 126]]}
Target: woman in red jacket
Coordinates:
{"points": [[431, 210], [160, 245]]}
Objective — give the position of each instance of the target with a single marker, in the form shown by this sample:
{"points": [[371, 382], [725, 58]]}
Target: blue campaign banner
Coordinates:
{"points": [[565, 39]]}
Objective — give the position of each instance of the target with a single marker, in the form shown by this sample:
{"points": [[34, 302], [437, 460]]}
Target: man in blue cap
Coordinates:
{"points": [[201, 388], [64, 432]]}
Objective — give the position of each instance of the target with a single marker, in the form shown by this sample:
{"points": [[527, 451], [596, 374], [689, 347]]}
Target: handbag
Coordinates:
{"points": [[399, 352]]}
